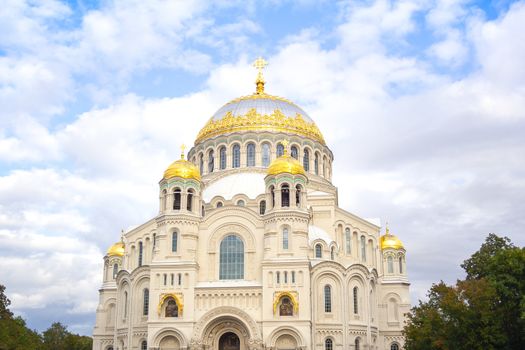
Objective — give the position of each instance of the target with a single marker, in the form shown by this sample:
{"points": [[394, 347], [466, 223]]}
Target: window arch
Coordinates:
{"points": [[328, 344], [163, 200], [394, 346], [348, 241], [318, 251], [400, 264], [332, 253], [327, 298], [125, 304], [222, 157], [298, 195], [189, 200], [265, 154], [316, 164], [356, 344], [231, 264], [211, 161], [363, 248], [250, 154], [241, 203], [176, 199], [294, 152], [306, 160], [285, 195], [145, 302], [272, 192], [219, 205], [144, 345], [280, 149], [174, 241], [355, 295], [236, 156], [390, 264], [141, 250], [285, 238], [277, 277], [115, 270], [201, 163], [262, 207]]}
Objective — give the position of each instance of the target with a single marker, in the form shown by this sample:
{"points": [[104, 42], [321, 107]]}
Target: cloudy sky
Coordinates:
{"points": [[421, 101]]}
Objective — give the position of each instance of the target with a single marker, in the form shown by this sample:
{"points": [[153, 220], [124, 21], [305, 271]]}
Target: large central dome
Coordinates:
{"points": [[260, 112]]}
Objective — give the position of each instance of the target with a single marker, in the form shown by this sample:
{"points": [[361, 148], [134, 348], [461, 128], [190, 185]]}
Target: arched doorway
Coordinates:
{"points": [[229, 341], [169, 343]]}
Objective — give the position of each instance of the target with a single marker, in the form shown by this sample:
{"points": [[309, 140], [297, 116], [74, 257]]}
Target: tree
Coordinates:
{"points": [[484, 311], [4, 304]]}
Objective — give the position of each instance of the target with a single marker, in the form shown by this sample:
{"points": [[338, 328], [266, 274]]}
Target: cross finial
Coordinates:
{"points": [[260, 64], [285, 144], [182, 148], [386, 228]]}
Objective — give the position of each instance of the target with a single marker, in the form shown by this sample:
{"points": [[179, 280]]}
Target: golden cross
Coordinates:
{"points": [[260, 63], [182, 148], [387, 230]]}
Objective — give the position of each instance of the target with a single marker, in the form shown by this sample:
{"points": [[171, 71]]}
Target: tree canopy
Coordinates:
{"points": [[484, 311]]}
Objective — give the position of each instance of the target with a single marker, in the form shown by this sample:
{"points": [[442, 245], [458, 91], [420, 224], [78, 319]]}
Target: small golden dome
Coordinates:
{"points": [[182, 168], [116, 249], [286, 164], [390, 241]]}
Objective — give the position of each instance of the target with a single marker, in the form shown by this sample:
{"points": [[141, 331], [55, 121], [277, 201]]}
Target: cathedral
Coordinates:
{"points": [[250, 250]]}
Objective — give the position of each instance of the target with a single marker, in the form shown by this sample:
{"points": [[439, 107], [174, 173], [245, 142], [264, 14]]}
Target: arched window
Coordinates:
{"points": [[125, 304], [332, 253], [294, 152], [348, 241], [201, 164], [174, 239], [250, 154], [285, 238], [394, 346], [277, 277], [262, 207], [115, 270], [318, 251], [222, 156], [400, 264], [163, 200], [306, 160], [176, 199], [355, 292], [363, 248], [298, 195], [144, 345], [241, 203], [189, 200], [316, 164], [236, 156], [390, 264], [211, 161], [141, 249], [231, 265], [285, 196], [154, 240], [285, 274], [280, 150], [293, 276], [272, 192], [356, 346], [265, 154], [325, 163], [328, 345], [145, 302], [219, 204], [327, 298]]}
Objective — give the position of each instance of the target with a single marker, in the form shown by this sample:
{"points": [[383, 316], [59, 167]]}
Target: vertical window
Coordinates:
{"points": [[189, 200], [363, 248], [262, 207], [174, 239], [357, 344], [355, 292], [115, 270], [265, 154], [165, 279], [318, 251], [306, 160], [280, 150], [222, 156], [201, 164], [176, 199], [231, 265], [250, 154], [219, 205], [394, 346], [140, 253], [294, 152], [390, 264], [154, 240], [348, 241], [211, 161], [272, 192], [145, 304], [316, 164], [125, 304], [236, 156], [327, 298], [293, 276], [285, 238], [298, 195], [179, 279], [324, 166], [328, 345], [285, 196], [277, 277], [163, 200], [172, 279], [400, 265], [144, 345], [332, 253]]}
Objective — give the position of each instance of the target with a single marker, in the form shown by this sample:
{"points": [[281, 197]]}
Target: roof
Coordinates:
{"points": [[315, 233], [249, 184]]}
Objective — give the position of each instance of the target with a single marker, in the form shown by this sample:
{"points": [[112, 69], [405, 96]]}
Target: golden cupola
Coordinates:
{"points": [[286, 164], [183, 169], [116, 249], [260, 112], [390, 241]]}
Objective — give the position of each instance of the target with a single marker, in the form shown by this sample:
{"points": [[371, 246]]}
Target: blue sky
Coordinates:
{"points": [[421, 101]]}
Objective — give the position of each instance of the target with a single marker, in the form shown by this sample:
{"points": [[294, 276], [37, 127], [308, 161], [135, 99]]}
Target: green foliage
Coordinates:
{"points": [[485, 311], [14, 334]]}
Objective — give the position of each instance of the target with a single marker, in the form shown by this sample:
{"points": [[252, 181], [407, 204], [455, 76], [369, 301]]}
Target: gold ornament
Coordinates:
{"points": [[390, 241], [182, 168], [116, 249]]}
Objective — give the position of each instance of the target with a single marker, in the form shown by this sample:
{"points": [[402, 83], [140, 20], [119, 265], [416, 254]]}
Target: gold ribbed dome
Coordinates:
{"points": [[182, 168], [390, 241], [286, 164], [116, 249]]}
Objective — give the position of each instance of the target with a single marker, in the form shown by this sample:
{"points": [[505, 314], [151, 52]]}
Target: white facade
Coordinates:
{"points": [[302, 273]]}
